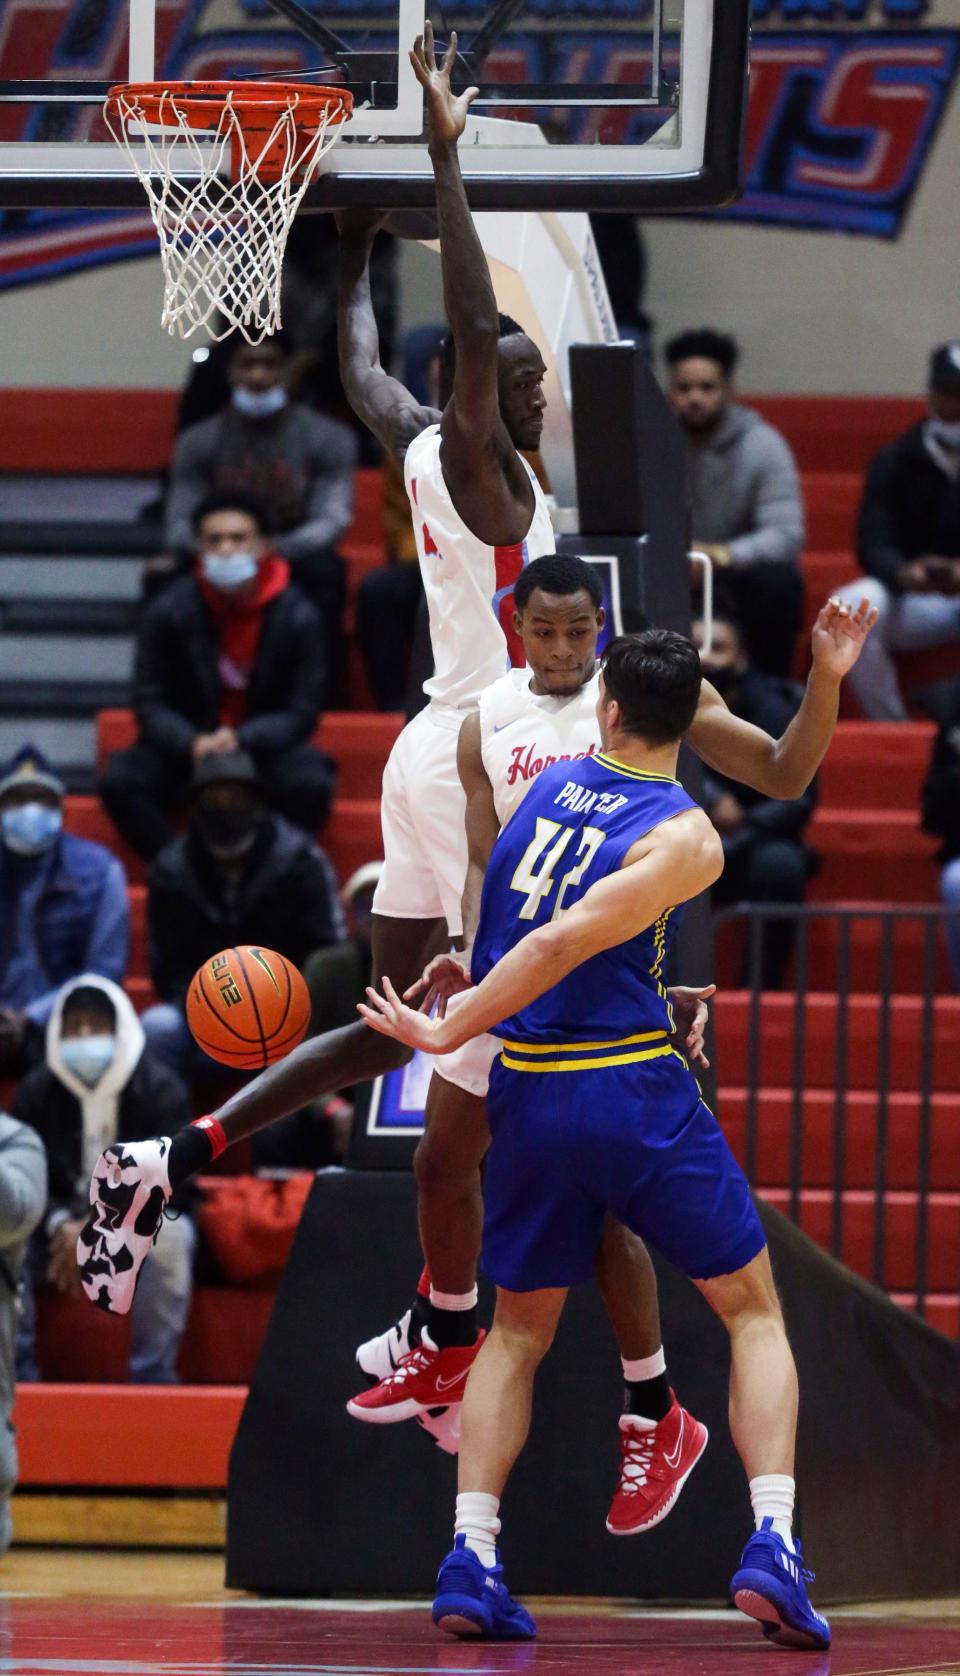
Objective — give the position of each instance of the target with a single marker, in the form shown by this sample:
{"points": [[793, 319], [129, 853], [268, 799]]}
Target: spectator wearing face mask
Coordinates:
{"points": [[228, 658], [297, 462], [765, 858], [23, 1196], [746, 509], [100, 1084], [63, 906], [238, 875], [908, 542]]}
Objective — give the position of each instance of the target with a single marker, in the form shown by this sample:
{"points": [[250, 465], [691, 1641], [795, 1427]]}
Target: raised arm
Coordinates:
{"points": [[673, 863], [471, 420], [385, 405], [784, 767], [483, 827]]}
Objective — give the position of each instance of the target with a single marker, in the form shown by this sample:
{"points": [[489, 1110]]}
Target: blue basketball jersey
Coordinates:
{"points": [[574, 827]]}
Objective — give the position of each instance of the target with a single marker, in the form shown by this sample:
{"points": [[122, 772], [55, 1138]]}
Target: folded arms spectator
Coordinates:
{"points": [[745, 502], [63, 906], [229, 657], [908, 542]]}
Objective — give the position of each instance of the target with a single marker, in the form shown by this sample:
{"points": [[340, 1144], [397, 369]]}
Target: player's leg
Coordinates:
{"points": [[691, 1199], [660, 1442], [471, 1597], [440, 1330], [133, 1182], [769, 1584]]}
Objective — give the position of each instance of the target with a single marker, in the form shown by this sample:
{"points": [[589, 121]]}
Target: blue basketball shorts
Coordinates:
{"points": [[635, 1139]]}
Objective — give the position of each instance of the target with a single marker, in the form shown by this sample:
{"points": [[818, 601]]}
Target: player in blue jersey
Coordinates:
{"points": [[592, 1110]]}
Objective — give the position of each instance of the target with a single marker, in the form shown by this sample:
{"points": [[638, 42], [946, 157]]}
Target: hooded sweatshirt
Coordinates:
{"points": [[744, 491], [136, 1097]]}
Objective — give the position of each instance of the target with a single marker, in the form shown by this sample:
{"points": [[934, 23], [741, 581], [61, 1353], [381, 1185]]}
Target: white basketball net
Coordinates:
{"points": [[222, 240]]}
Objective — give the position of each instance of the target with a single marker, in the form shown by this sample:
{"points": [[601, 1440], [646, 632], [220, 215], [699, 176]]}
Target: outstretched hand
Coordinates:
{"points": [[446, 975], [387, 1014], [839, 635], [448, 114]]}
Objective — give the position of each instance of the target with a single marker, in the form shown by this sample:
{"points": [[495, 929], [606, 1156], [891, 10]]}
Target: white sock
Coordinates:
{"points": [[772, 1497], [645, 1367], [455, 1301], [478, 1522]]}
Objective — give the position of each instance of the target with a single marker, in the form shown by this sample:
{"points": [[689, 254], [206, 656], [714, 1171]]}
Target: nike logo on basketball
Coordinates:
{"points": [[673, 1458]]}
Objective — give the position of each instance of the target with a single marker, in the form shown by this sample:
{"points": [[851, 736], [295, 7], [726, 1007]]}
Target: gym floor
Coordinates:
{"points": [[141, 1614]]}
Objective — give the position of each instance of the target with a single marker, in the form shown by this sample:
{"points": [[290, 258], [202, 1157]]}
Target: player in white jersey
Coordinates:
{"points": [[526, 720]]}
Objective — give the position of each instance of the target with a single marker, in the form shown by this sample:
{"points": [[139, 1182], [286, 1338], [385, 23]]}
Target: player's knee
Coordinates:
{"points": [[441, 1162], [748, 1297]]}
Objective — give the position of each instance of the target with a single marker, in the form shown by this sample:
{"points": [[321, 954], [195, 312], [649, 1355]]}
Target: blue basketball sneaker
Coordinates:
{"points": [[473, 1600], [770, 1586]]}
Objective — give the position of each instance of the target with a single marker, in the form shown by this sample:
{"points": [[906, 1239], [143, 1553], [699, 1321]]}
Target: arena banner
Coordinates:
{"points": [[845, 101]]}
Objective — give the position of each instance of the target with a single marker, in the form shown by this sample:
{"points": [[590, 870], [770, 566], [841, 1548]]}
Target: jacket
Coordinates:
{"points": [[941, 788], [61, 913], [23, 1196], [136, 1097], [910, 507], [300, 463], [176, 681], [744, 490], [286, 899], [771, 704]]}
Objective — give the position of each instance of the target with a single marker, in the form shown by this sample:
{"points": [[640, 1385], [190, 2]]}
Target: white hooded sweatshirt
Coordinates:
{"points": [[99, 1105]]}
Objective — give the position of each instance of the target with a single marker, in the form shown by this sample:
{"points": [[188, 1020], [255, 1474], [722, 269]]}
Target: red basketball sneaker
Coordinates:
{"points": [[656, 1463], [425, 1378]]}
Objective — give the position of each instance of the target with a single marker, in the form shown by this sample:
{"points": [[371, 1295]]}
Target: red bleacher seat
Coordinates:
{"points": [[778, 1030], [900, 1232], [878, 765], [872, 854], [860, 1108]]}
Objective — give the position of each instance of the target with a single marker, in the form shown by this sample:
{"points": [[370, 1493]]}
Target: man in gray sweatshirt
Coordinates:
{"points": [[745, 504], [23, 1198], [297, 462]]}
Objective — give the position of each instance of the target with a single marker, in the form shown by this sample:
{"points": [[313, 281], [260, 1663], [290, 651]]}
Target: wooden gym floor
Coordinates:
{"points": [[142, 1614]]}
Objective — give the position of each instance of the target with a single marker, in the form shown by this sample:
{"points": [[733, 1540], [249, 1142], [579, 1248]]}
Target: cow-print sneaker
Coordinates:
{"points": [[128, 1192]]}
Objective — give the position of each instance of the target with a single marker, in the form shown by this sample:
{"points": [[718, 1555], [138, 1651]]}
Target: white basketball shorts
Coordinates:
{"points": [[422, 813], [468, 1067]]}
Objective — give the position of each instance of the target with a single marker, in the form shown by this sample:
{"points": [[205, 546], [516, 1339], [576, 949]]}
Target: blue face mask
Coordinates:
{"points": [[30, 828], [229, 570], [259, 404], [88, 1056]]}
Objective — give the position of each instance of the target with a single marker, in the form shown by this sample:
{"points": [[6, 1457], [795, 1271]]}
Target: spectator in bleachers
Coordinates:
{"points": [[765, 858], [101, 1084], [745, 502], [227, 658], [297, 462], [23, 1197], [908, 542], [63, 906], [238, 875], [941, 811]]}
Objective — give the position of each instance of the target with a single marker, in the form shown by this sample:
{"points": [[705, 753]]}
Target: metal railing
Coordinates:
{"points": [[883, 986]]}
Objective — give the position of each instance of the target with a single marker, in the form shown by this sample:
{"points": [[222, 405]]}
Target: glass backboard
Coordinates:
{"points": [[584, 104]]}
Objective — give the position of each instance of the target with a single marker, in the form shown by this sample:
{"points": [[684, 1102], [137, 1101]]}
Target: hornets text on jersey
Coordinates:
{"points": [[574, 827]]}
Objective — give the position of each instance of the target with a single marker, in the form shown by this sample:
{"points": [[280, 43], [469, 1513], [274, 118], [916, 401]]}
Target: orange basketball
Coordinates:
{"points": [[247, 1007]]}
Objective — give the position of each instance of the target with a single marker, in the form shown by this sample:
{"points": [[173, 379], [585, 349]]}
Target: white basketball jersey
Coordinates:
{"points": [[469, 586], [522, 733]]}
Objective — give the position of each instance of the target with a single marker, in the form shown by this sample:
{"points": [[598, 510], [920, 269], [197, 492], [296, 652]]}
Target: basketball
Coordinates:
{"points": [[247, 1007]]}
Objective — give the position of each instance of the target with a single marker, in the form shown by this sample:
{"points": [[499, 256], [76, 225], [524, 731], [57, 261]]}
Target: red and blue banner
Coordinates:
{"points": [[845, 101]]}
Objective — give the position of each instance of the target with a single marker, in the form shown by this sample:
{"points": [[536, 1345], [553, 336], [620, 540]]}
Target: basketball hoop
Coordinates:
{"points": [[225, 166]]}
